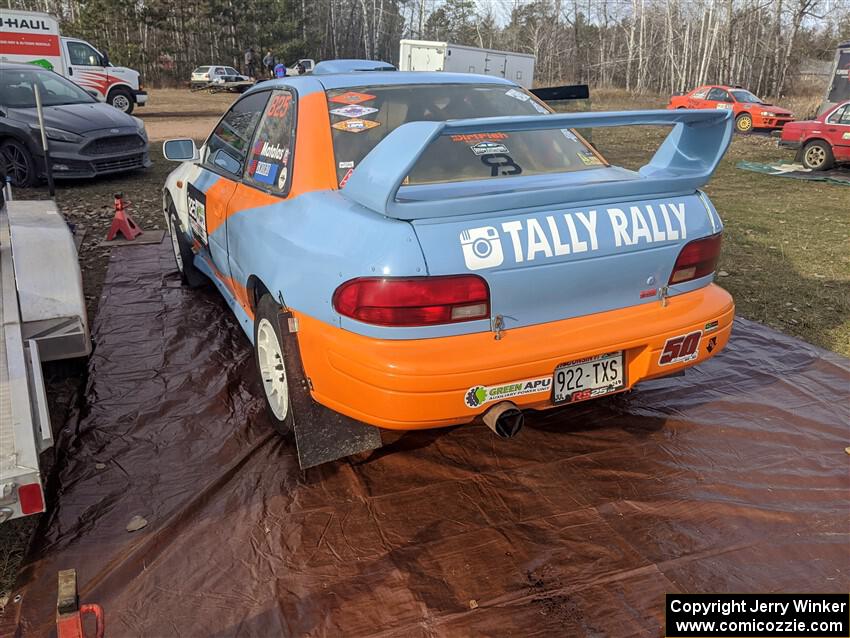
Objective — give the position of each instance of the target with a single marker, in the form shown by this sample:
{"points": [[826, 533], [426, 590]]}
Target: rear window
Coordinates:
{"points": [[201, 69], [362, 117]]}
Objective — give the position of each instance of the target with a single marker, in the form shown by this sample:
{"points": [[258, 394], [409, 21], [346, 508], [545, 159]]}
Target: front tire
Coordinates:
{"points": [[269, 354], [184, 258], [744, 123], [18, 163], [122, 100], [818, 156]]}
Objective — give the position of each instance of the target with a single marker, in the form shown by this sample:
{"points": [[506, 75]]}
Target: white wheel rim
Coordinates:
{"points": [[121, 102], [175, 245], [272, 370]]}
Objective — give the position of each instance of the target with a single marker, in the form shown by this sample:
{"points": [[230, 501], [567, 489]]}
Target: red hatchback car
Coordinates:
{"points": [[823, 141], [750, 112]]}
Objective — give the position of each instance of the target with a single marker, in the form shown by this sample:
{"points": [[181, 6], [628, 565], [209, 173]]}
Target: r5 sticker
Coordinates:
{"points": [[680, 349]]}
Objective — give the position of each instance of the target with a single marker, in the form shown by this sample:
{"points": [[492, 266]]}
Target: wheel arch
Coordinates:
{"points": [[118, 86], [257, 288], [809, 140]]}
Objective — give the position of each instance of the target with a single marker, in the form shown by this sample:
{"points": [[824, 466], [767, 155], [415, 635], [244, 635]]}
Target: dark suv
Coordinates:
{"points": [[86, 138]]}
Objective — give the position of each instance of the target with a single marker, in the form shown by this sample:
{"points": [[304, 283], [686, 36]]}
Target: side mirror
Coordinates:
{"points": [[104, 59], [182, 150], [225, 161]]}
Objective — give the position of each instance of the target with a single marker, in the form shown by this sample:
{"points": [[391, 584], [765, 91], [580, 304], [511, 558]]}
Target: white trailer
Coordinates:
{"points": [[426, 55], [43, 316], [30, 37]]}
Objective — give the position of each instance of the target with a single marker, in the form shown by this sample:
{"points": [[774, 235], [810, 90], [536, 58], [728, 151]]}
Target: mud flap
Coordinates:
{"points": [[321, 435]]}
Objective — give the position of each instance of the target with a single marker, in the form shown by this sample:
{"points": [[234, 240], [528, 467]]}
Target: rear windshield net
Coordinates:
{"points": [[362, 117]]}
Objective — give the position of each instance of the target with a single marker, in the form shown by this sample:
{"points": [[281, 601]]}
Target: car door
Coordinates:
{"points": [[718, 98], [696, 100], [223, 161], [266, 179], [86, 68], [838, 132]]}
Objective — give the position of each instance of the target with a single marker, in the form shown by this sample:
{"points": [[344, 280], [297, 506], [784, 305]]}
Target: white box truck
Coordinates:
{"points": [[426, 55], [30, 37]]}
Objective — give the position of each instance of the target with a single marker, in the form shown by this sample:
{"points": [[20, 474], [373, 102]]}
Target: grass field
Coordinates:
{"points": [[786, 254], [786, 242]]}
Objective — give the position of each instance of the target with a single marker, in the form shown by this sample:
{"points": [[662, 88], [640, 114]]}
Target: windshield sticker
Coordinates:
{"points": [[569, 134], [281, 180], [352, 97], [354, 110], [588, 158], [270, 151], [488, 148], [346, 164], [279, 106], [518, 95], [539, 107], [480, 137], [501, 164], [481, 394], [355, 125], [528, 239], [346, 177], [265, 172]]}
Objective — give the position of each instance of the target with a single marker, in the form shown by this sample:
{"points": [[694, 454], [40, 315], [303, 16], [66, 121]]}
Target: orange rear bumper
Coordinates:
{"points": [[415, 384]]}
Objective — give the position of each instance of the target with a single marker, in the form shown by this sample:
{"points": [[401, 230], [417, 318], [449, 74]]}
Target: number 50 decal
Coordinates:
{"points": [[679, 349]]}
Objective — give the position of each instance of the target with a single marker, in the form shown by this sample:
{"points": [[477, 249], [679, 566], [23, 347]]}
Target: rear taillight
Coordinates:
{"points": [[414, 301], [697, 259], [31, 498]]}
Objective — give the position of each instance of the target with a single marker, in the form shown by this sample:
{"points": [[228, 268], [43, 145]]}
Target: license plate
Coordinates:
{"points": [[589, 378]]}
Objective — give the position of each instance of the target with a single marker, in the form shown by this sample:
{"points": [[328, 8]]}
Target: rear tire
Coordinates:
{"points": [[744, 123], [818, 156], [269, 354], [122, 100], [18, 163], [184, 258]]}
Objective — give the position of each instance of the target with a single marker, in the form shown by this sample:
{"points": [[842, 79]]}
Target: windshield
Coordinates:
{"points": [[230, 70], [362, 117], [16, 89], [746, 97]]}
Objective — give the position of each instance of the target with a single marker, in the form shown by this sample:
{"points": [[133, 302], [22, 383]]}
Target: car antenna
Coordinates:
{"points": [[47, 167]]}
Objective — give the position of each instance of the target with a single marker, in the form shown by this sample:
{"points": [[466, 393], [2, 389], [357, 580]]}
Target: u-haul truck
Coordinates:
{"points": [[30, 37]]}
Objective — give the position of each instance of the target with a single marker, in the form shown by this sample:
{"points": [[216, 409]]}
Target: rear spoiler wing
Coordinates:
{"points": [[683, 163]]}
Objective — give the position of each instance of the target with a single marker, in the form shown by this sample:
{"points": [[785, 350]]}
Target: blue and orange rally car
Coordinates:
{"points": [[418, 250]]}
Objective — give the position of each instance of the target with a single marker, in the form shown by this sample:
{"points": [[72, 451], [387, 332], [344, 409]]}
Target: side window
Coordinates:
{"points": [[270, 162], [227, 147], [82, 54], [840, 116], [719, 95], [700, 94]]}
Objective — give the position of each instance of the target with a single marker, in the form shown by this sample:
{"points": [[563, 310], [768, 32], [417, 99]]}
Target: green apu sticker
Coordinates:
{"points": [[480, 394]]}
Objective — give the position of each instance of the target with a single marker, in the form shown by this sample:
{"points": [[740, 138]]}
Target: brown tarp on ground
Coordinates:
{"points": [[731, 478]]}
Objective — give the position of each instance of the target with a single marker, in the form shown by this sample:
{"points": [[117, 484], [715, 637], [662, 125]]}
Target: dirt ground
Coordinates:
{"points": [[785, 260]]}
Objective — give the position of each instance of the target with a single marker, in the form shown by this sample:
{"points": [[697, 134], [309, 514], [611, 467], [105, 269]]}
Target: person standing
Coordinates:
{"points": [[250, 62], [268, 64]]}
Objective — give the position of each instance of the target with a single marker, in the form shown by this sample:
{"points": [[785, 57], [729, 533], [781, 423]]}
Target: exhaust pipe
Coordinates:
{"points": [[505, 419]]}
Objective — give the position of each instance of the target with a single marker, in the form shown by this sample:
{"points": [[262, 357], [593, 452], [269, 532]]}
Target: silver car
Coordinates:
{"points": [[204, 75]]}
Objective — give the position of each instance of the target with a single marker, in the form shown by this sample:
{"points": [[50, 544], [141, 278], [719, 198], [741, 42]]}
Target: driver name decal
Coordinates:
{"points": [[577, 232]]}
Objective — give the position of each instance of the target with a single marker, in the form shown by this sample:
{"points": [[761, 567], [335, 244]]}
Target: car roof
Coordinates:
{"points": [[20, 66], [377, 78]]}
